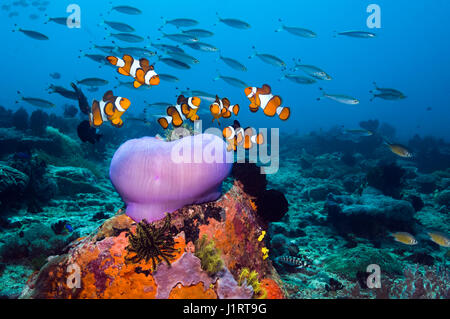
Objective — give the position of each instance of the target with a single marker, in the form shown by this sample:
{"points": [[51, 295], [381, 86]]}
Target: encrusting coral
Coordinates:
{"points": [[152, 243], [108, 271], [251, 278], [206, 251]]}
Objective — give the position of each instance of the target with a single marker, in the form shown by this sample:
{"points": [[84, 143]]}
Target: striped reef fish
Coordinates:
{"points": [[140, 70]]}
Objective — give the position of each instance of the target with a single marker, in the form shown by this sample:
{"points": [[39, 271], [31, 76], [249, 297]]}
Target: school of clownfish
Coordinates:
{"points": [[111, 108]]}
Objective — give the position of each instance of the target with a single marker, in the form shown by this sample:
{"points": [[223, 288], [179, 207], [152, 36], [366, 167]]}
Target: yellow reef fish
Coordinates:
{"points": [[399, 150], [440, 239], [404, 238]]}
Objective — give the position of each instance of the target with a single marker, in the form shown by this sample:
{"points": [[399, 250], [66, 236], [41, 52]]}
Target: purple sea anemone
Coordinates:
{"points": [[155, 177]]}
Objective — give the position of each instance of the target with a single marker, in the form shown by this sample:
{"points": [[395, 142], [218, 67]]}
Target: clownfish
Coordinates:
{"points": [[271, 104], [141, 70], [189, 107], [236, 136], [251, 138], [186, 108], [223, 108], [109, 109]]}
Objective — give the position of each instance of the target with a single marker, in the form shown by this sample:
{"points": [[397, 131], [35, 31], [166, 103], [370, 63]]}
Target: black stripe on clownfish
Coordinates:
{"points": [[189, 107], [251, 138], [236, 136], [264, 99], [110, 108], [223, 108], [174, 116], [141, 70]]}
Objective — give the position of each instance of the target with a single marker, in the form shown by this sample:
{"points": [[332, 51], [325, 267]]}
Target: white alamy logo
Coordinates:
{"points": [[74, 19], [198, 153], [374, 19]]}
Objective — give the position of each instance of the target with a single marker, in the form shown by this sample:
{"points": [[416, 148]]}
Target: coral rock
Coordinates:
{"points": [[105, 271]]}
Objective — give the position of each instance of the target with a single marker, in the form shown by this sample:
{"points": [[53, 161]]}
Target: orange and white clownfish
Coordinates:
{"points": [[236, 136], [140, 70], [110, 108], [223, 108], [271, 104], [174, 116], [251, 138], [186, 108], [189, 106]]}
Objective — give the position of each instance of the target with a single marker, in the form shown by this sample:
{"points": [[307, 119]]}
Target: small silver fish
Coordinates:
{"points": [[186, 58], [58, 20], [232, 63], [269, 59], [201, 46], [135, 51], [299, 79], [234, 23], [181, 22], [175, 63], [180, 37], [118, 26], [167, 47], [32, 34], [344, 99], [301, 32], [358, 34], [159, 104], [232, 81], [105, 48], [127, 10], [36, 101], [199, 33], [388, 96], [93, 82], [127, 37], [313, 71], [168, 78]]}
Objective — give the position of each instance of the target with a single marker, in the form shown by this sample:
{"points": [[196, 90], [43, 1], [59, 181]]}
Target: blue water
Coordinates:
{"points": [[410, 53]]}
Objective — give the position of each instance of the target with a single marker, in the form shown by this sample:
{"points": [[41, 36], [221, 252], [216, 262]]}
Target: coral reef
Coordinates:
{"points": [[431, 154], [151, 243], [102, 257], [38, 122], [388, 178], [20, 119], [13, 184], [250, 278], [370, 125], [349, 262], [210, 256], [369, 215]]}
